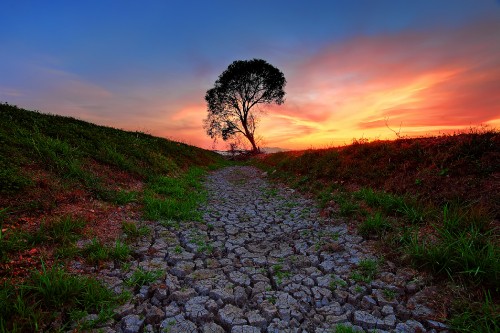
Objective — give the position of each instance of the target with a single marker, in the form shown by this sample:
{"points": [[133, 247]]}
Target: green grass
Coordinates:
{"points": [[175, 198], [341, 328], [376, 224], [60, 232], [366, 271], [66, 229], [467, 255], [12, 180], [389, 203], [96, 252], [142, 277], [346, 203], [52, 295], [131, 230], [122, 197], [477, 317]]}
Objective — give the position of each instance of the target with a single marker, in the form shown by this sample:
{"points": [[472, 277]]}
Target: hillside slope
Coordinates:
{"points": [[53, 166], [45, 158], [74, 196]]}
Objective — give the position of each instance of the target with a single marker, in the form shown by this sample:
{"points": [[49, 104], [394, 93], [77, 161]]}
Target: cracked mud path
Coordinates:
{"points": [[264, 261]]}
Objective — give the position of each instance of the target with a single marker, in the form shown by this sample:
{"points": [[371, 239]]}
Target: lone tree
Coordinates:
{"points": [[243, 85]]}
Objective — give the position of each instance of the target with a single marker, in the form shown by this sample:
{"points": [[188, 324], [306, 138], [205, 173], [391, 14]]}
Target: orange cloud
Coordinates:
{"points": [[425, 82]]}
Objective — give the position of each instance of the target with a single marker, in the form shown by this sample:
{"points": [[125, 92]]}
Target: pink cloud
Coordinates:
{"points": [[424, 80]]}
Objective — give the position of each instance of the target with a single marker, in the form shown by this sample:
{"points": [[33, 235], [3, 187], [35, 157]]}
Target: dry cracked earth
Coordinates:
{"points": [[264, 260]]}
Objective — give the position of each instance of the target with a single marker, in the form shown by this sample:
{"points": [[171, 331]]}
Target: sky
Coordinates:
{"points": [[360, 69]]}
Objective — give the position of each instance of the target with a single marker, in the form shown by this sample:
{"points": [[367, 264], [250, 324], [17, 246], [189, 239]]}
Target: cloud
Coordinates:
{"points": [[424, 80]]}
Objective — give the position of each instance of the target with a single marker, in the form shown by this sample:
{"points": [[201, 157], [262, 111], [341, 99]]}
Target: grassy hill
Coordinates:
{"points": [[63, 180], [432, 202]]}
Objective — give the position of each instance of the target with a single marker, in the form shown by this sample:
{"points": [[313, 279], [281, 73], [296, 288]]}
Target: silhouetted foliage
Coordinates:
{"points": [[243, 85]]}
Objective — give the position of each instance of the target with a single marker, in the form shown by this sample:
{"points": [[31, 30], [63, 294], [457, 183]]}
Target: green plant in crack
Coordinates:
{"points": [[336, 282], [319, 244], [290, 204], [366, 271], [358, 289], [206, 248], [171, 224], [141, 277], [271, 192], [202, 243], [168, 327], [271, 299], [389, 294], [341, 328], [330, 235], [279, 273], [178, 249], [306, 232]]}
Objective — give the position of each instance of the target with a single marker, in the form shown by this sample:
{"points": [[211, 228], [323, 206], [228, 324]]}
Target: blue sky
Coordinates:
{"points": [[146, 65]]}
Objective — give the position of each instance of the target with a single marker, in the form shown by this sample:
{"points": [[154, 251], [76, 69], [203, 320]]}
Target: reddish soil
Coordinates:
{"points": [[52, 197]]}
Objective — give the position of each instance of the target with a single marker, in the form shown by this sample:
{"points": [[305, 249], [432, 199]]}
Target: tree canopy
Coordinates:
{"points": [[242, 86]]}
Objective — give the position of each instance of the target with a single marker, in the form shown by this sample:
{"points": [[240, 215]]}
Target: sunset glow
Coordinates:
{"points": [[416, 80]]}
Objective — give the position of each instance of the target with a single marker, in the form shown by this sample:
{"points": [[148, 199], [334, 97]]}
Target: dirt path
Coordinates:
{"points": [[265, 261]]}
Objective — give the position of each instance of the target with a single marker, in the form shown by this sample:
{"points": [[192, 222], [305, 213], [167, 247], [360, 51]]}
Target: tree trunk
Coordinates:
{"points": [[250, 138]]}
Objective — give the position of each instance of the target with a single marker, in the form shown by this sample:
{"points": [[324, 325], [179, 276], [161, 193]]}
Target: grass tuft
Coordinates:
{"points": [[376, 224], [142, 277], [175, 198], [49, 296]]}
